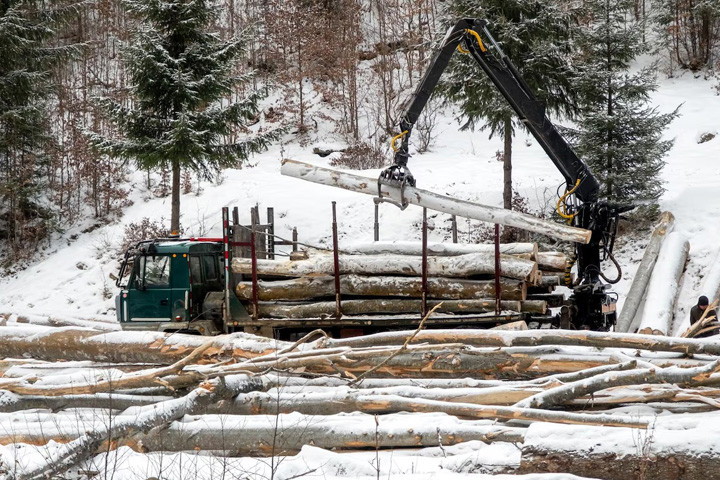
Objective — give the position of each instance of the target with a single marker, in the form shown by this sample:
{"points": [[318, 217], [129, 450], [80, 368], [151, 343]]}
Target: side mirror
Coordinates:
{"points": [[139, 284]]}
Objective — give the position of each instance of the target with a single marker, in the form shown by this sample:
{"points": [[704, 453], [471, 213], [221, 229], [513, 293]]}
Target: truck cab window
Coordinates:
{"points": [[156, 270], [195, 270], [211, 268]]}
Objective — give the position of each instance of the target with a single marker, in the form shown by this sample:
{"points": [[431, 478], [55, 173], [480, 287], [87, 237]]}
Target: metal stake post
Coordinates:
{"points": [[424, 263], [336, 260], [377, 223], [253, 255], [497, 269], [453, 220], [271, 233]]}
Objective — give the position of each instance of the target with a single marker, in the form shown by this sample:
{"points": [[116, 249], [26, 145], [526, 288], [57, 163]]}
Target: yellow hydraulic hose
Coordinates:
{"points": [[395, 138], [561, 202]]}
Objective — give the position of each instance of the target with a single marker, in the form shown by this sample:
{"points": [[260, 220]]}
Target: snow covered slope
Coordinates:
{"points": [[71, 276]]}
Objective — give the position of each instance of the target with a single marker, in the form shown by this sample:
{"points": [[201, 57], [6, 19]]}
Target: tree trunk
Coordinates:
{"points": [[711, 284], [644, 271], [507, 165], [457, 266], [674, 459], [394, 306], [554, 261], [439, 249], [175, 213], [664, 286], [433, 201], [56, 344], [570, 391], [492, 338], [356, 285]]}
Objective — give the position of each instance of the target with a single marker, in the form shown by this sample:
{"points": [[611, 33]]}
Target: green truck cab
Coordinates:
{"points": [[173, 286]]}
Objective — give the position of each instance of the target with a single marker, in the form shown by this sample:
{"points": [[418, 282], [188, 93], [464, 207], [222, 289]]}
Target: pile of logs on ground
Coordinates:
{"points": [[488, 385], [390, 278]]}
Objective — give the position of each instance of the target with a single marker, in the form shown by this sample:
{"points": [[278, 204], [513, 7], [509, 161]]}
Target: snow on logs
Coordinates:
{"points": [[447, 386], [433, 201], [644, 271], [385, 278], [458, 266], [664, 287]]}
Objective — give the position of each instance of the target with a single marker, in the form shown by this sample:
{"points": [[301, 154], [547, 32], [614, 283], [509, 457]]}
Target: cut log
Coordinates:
{"points": [[553, 300], [711, 284], [68, 343], [642, 274], [664, 286], [375, 286], [573, 390], [458, 266], [555, 261], [394, 306], [256, 434], [494, 338], [433, 201], [619, 454], [439, 249]]}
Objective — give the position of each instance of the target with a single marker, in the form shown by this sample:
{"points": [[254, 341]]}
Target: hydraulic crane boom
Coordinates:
{"points": [[590, 306]]}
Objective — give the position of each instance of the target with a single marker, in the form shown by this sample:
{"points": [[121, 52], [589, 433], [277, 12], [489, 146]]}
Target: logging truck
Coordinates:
{"points": [[202, 286], [234, 283]]}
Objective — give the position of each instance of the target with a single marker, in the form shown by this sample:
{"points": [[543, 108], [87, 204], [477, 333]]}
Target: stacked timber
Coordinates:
{"points": [[550, 394], [384, 278]]}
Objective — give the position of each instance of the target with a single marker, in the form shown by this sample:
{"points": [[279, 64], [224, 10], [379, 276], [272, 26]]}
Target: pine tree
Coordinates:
{"points": [[181, 78], [619, 135], [26, 64], [537, 36]]}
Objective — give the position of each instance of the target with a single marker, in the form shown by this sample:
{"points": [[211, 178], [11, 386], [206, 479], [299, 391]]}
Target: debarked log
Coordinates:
{"points": [[394, 306], [620, 454], [433, 201], [536, 338], [439, 249], [457, 266], [67, 343], [377, 286], [644, 271], [664, 286], [256, 434]]}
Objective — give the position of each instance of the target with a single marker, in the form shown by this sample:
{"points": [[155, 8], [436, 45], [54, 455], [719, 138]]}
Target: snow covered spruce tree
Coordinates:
{"points": [[27, 59], [179, 116], [619, 135], [536, 35]]}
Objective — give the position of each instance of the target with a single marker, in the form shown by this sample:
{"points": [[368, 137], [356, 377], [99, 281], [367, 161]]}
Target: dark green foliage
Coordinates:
{"points": [[690, 30], [181, 116], [537, 36], [27, 60], [619, 135]]}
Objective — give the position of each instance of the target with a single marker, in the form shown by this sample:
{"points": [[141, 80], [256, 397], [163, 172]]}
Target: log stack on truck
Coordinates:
{"points": [[194, 286]]}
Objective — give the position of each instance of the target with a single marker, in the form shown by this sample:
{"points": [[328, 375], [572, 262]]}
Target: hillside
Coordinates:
{"points": [[70, 276]]}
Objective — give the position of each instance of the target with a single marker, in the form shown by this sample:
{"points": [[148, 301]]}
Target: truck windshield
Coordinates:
{"points": [[155, 270]]}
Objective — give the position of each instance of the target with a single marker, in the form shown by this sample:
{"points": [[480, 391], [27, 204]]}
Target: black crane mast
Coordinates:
{"points": [[591, 306]]}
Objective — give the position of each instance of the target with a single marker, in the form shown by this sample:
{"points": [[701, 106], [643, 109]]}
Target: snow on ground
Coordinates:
{"points": [[70, 278]]}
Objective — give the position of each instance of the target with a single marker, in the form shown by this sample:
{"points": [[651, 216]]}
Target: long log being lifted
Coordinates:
{"points": [[376, 286], [433, 201], [458, 266]]}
